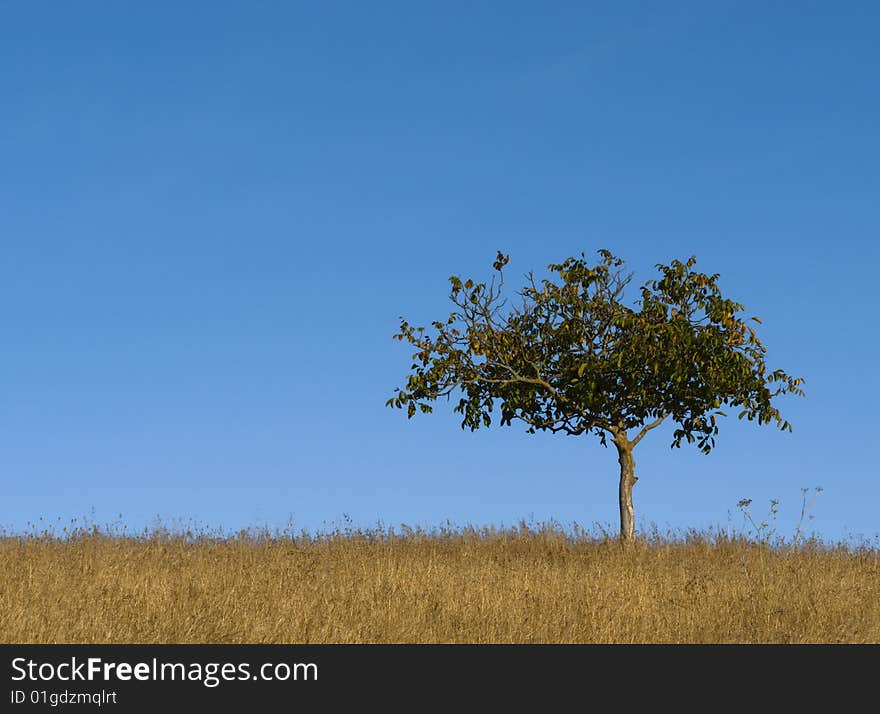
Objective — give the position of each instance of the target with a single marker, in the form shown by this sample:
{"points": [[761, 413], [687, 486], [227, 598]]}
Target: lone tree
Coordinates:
{"points": [[572, 357]]}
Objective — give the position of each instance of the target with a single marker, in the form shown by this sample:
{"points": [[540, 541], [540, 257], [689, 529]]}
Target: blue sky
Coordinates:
{"points": [[213, 214]]}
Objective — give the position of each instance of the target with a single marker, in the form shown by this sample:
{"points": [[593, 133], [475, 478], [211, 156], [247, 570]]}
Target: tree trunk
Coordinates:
{"points": [[627, 481]]}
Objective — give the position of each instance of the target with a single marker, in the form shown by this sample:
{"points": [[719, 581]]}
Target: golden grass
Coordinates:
{"points": [[466, 586]]}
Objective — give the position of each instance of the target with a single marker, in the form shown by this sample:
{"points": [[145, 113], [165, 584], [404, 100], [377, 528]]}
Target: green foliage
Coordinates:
{"points": [[572, 356]]}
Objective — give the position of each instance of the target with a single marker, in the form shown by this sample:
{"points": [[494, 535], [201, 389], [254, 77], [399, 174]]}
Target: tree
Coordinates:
{"points": [[572, 357]]}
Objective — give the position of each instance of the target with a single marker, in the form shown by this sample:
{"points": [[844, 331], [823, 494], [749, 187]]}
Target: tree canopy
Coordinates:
{"points": [[570, 355]]}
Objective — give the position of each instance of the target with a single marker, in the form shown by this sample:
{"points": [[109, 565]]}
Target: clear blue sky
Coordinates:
{"points": [[213, 214]]}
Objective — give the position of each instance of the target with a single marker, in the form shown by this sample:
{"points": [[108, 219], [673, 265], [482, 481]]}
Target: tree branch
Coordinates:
{"points": [[645, 429]]}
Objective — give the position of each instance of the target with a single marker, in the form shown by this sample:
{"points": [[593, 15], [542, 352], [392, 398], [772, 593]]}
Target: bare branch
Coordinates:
{"points": [[645, 429]]}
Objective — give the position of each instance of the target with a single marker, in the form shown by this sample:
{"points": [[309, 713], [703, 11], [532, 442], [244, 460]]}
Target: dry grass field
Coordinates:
{"points": [[462, 586]]}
